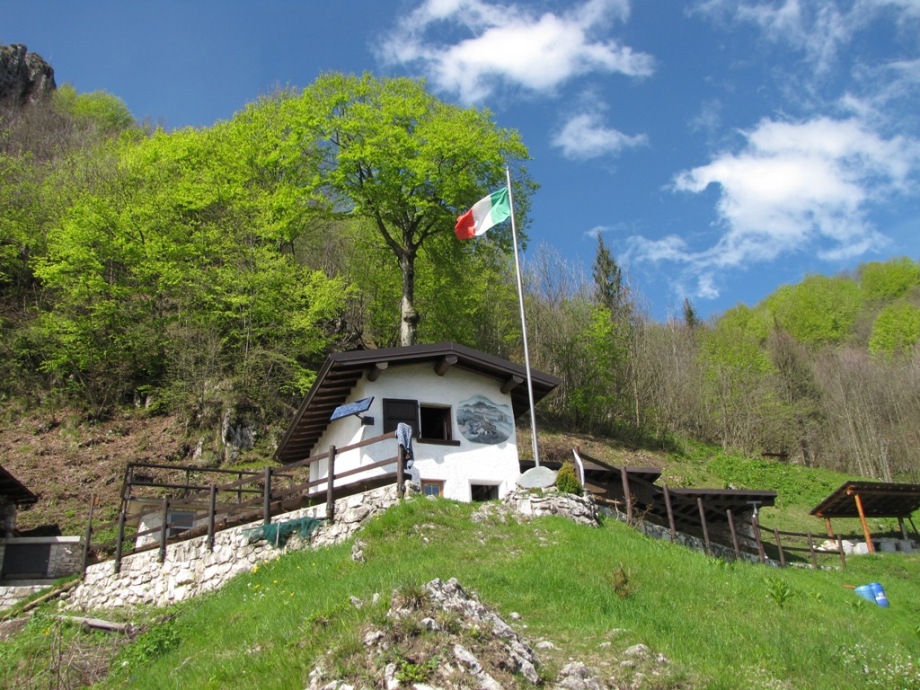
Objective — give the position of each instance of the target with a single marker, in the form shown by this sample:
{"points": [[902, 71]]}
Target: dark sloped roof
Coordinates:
{"points": [[879, 499], [342, 370], [13, 489]]}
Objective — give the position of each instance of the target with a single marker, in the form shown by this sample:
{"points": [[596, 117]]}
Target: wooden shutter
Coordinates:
{"points": [[396, 411]]}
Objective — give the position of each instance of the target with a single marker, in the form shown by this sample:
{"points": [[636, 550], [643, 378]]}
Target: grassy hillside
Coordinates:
{"points": [[593, 593]]}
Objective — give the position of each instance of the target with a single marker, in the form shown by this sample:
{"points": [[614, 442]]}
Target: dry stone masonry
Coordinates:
{"points": [[191, 569]]}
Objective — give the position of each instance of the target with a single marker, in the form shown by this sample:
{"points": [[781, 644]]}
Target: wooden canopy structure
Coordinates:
{"points": [[685, 510], [870, 499], [14, 491]]}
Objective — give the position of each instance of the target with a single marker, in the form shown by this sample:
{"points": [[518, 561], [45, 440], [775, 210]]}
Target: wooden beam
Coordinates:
{"points": [[670, 509], [511, 383], [330, 487], [374, 372], [731, 527], [267, 497], [164, 514], [862, 521], [779, 545], [624, 478], [444, 364], [699, 505]]}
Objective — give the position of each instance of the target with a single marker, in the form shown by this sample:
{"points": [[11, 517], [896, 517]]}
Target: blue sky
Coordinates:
{"points": [[722, 147]]}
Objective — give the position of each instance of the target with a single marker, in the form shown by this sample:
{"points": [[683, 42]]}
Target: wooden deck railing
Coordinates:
{"points": [[264, 499], [786, 544]]}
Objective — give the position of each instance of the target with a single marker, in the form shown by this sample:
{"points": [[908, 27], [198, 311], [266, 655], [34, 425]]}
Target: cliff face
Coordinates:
{"points": [[24, 77]]}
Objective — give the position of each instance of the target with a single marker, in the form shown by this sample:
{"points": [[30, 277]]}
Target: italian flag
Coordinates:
{"points": [[485, 213]]}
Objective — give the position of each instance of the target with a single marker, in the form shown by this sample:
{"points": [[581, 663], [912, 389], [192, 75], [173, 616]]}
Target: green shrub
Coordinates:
{"points": [[567, 480]]}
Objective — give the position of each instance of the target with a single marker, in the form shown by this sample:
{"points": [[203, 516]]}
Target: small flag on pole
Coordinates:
{"points": [[485, 213]]}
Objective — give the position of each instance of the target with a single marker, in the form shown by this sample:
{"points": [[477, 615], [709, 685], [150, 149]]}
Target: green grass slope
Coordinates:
{"points": [[591, 592]]}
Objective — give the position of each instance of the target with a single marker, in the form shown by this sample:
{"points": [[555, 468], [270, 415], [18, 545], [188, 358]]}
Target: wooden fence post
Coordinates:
{"points": [[400, 471], [756, 524], [779, 545], [699, 505], [212, 510], [163, 529], [667, 504], [811, 549], [267, 497], [88, 536], [843, 557], [120, 538], [624, 478], [734, 533], [330, 486]]}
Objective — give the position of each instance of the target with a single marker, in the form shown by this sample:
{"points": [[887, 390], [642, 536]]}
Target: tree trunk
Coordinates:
{"points": [[408, 316]]}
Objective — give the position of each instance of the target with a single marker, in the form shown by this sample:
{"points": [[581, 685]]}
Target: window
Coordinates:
{"points": [[430, 423], [180, 521], [435, 422], [433, 487], [483, 492]]}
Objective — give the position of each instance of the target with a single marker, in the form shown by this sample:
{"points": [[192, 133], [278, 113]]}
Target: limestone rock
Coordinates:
{"points": [[577, 676], [24, 77]]}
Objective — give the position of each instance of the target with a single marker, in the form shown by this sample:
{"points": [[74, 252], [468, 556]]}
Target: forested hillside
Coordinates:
{"points": [[206, 273]]}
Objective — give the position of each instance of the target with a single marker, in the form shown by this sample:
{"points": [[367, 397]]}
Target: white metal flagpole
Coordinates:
{"points": [[517, 265]]}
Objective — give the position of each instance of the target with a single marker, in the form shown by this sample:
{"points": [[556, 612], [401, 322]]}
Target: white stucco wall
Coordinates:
{"points": [[458, 466]]}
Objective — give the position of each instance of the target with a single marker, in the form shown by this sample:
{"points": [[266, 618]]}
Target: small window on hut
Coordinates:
{"points": [[436, 424], [433, 487], [180, 521], [484, 492]]}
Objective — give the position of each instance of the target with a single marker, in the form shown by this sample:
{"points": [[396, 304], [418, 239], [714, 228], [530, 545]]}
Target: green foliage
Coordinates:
{"points": [[623, 582], [174, 273], [820, 310], [567, 479], [889, 280], [896, 329], [795, 485], [97, 108], [409, 671], [392, 154], [778, 590]]}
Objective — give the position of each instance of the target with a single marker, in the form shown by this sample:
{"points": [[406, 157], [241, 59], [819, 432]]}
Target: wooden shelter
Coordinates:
{"points": [[681, 510], [13, 495], [871, 499]]}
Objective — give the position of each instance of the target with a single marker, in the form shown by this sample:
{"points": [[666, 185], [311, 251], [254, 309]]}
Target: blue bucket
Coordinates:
{"points": [[866, 593], [879, 593]]}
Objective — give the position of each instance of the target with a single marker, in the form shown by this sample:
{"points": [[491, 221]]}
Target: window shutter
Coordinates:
{"points": [[396, 411]]}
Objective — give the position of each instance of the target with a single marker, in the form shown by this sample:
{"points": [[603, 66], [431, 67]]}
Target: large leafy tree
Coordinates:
{"points": [[387, 151], [175, 272]]}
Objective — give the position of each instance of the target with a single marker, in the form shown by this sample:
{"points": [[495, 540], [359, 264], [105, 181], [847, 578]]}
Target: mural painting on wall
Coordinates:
{"points": [[483, 421]]}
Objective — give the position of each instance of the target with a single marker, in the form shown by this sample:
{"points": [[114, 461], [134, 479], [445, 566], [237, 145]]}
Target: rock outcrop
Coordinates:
{"points": [[441, 637], [24, 77]]}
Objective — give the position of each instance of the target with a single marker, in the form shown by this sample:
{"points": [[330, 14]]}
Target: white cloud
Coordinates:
{"points": [[584, 136], [818, 28], [511, 45], [794, 187]]}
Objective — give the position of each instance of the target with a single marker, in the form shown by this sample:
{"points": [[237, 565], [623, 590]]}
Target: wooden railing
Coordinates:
{"points": [[264, 498], [763, 543], [786, 544]]}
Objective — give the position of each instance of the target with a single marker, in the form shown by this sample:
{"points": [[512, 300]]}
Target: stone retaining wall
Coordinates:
{"points": [[10, 596], [191, 569]]}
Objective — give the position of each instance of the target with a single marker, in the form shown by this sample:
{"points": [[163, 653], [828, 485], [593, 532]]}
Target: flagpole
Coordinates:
{"points": [[517, 266]]}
